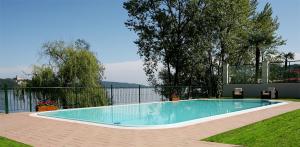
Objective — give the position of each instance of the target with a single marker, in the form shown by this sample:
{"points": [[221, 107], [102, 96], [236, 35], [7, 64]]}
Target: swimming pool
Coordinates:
{"points": [[160, 114]]}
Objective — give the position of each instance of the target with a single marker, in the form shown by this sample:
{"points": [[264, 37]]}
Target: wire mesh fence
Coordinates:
{"points": [[130, 95], [284, 72], [244, 74], [27, 99]]}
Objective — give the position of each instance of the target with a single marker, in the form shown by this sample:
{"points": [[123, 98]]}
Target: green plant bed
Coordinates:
{"points": [[5, 142], [282, 130]]}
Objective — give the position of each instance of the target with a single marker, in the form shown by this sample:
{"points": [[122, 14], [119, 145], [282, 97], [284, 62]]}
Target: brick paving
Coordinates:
{"points": [[42, 132]]}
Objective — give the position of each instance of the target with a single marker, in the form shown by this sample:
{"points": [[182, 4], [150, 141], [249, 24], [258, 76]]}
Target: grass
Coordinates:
{"points": [[291, 99], [282, 130], [287, 99], [281, 98], [5, 142]]}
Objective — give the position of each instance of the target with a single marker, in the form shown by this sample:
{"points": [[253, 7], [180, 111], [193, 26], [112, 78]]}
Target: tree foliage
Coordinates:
{"points": [[73, 64], [192, 39], [286, 57], [164, 29], [43, 76], [263, 34], [70, 65]]}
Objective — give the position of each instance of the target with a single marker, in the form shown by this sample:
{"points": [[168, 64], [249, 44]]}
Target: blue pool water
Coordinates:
{"points": [[153, 114]]}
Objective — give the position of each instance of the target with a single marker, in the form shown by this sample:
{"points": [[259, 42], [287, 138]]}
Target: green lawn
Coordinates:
{"points": [[5, 142], [291, 99], [281, 131], [287, 99]]}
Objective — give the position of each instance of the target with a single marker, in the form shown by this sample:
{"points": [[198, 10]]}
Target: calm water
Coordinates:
{"points": [[16, 103], [149, 114], [120, 96]]}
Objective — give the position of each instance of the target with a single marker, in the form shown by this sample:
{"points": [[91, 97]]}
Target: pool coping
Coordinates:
{"points": [[167, 126]]}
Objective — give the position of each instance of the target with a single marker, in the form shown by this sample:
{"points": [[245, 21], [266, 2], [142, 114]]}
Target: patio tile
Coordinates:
{"points": [[45, 132]]}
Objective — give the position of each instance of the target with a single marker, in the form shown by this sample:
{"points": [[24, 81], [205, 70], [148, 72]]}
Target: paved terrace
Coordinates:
{"points": [[44, 132]]}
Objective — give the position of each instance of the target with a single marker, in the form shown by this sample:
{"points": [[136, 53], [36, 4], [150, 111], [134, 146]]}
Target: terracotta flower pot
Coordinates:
{"points": [[46, 108], [175, 99]]}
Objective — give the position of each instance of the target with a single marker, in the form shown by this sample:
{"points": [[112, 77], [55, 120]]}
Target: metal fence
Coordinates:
{"points": [[26, 99], [243, 74], [284, 72]]}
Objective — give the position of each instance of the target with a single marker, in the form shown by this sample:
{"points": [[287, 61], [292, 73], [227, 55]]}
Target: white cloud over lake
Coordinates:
{"points": [[129, 71], [12, 72], [297, 56]]}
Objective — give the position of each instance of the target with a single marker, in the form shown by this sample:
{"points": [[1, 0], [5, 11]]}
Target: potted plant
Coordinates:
{"points": [[46, 105]]}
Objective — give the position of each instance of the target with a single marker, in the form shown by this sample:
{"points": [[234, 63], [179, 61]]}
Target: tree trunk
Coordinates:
{"points": [[220, 71], [170, 80], [178, 46], [285, 63], [175, 88], [176, 73], [190, 83], [257, 57], [169, 73]]}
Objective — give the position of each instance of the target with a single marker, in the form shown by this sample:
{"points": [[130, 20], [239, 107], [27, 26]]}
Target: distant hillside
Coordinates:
{"points": [[12, 83], [119, 84], [9, 82]]}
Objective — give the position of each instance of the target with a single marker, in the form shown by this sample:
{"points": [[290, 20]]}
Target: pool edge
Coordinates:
{"points": [[168, 126]]}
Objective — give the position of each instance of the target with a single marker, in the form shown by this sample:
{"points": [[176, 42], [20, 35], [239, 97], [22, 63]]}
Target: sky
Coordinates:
{"points": [[26, 24]]}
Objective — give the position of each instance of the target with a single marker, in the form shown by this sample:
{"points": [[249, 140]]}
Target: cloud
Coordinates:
{"points": [[297, 56], [129, 71]]}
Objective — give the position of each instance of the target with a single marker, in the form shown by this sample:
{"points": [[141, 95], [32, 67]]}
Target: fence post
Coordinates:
{"points": [[265, 72], [6, 99], [225, 74], [139, 93], [111, 95], [30, 100], [161, 93]]}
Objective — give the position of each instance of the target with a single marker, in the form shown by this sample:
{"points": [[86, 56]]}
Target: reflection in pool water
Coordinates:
{"points": [[162, 113]]}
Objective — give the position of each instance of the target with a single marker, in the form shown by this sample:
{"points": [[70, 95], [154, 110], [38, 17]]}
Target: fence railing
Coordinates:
{"points": [[26, 99], [244, 74], [281, 72], [269, 72]]}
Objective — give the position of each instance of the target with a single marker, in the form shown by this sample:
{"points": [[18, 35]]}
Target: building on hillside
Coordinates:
{"points": [[20, 80]]}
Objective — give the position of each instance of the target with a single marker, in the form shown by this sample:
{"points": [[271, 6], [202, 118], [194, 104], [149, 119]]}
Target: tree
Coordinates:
{"points": [[230, 19], [263, 34], [194, 38], [72, 65], [163, 27], [287, 56], [43, 76]]}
